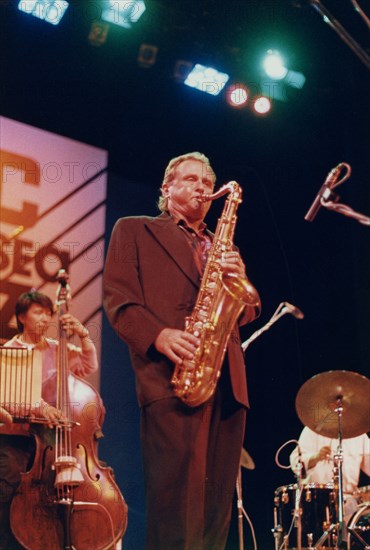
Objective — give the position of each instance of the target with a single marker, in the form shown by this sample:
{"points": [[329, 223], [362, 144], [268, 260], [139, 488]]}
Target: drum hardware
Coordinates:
{"points": [[362, 494], [317, 517], [338, 470], [329, 531], [301, 510], [297, 506], [335, 404], [277, 531], [359, 529], [309, 541]]}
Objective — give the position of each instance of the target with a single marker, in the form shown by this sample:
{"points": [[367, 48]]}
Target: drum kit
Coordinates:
{"points": [[335, 404]]}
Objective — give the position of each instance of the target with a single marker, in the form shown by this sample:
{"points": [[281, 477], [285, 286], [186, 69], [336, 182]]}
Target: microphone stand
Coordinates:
{"points": [[277, 531], [240, 508], [338, 484], [327, 198], [341, 31], [344, 209], [338, 471], [281, 310], [297, 506]]}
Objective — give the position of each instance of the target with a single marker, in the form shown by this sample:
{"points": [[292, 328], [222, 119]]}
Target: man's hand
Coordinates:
{"points": [[51, 414], [5, 417], [73, 326], [176, 344], [323, 454], [231, 262]]}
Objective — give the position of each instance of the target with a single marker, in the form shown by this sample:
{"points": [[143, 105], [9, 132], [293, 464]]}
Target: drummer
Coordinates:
{"points": [[317, 456]]}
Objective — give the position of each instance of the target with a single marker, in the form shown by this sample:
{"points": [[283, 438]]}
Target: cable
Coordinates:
{"points": [[346, 211], [251, 527], [280, 449]]}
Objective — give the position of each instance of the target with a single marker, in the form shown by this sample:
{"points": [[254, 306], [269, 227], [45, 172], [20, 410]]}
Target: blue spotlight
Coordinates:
{"points": [[122, 12], [51, 11], [206, 79]]}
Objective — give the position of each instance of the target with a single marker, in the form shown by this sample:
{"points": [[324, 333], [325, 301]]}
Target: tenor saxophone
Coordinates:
{"points": [[221, 299]]}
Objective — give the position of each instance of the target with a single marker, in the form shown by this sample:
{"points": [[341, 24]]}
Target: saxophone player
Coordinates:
{"points": [[152, 277]]}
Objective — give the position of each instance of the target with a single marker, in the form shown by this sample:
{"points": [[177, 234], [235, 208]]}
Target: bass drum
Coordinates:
{"points": [[359, 528]]}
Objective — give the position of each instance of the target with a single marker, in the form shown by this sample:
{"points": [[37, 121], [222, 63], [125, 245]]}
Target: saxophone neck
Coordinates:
{"points": [[232, 187]]}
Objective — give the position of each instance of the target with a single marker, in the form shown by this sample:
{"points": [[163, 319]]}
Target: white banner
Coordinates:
{"points": [[53, 192]]}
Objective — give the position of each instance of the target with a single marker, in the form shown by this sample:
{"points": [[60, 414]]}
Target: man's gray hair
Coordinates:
{"points": [[169, 173]]}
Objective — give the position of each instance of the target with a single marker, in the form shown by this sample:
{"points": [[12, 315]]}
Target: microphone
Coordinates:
{"points": [[294, 310], [324, 192], [301, 463]]}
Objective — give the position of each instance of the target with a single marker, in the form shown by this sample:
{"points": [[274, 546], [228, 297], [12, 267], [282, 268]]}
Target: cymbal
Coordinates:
{"points": [[246, 460], [317, 400]]}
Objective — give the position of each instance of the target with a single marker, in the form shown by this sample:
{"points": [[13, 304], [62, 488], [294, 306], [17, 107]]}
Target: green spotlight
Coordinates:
{"points": [[274, 65]]}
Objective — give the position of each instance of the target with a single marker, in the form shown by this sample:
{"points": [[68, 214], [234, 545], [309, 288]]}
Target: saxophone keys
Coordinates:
{"points": [[190, 365], [202, 314], [197, 329]]}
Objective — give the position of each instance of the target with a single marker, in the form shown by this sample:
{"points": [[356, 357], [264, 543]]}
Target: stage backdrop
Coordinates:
{"points": [[53, 193]]}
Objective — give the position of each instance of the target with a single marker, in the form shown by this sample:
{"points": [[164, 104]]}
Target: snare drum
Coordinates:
{"points": [[317, 505], [359, 528]]}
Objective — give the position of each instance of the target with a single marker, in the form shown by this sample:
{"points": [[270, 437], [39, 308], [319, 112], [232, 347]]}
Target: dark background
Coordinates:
{"points": [[52, 78]]}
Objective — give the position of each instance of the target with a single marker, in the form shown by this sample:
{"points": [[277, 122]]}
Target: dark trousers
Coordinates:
{"points": [[191, 460]]}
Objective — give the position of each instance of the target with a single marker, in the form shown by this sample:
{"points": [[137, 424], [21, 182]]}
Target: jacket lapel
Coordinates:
{"points": [[169, 236]]}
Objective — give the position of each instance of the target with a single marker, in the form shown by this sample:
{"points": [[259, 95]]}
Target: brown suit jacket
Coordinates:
{"points": [[151, 282]]}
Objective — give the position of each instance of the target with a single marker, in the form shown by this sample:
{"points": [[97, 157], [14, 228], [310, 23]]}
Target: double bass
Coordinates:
{"points": [[68, 500]]}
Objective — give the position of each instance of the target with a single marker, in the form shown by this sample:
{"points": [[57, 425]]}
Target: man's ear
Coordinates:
{"points": [[165, 190]]}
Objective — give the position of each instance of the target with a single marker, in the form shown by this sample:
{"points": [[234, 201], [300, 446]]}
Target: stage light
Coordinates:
{"points": [[262, 105], [274, 65], [122, 12], [206, 79], [98, 33], [50, 11], [237, 95], [147, 55]]}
